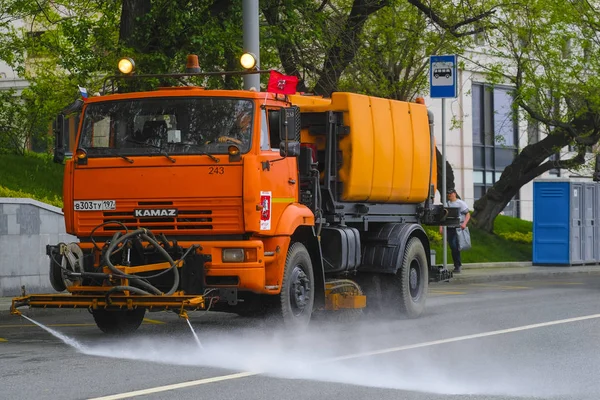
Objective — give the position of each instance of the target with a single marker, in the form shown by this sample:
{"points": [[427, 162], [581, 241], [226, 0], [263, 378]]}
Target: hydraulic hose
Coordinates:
{"points": [[122, 289], [169, 259], [145, 234], [146, 285]]}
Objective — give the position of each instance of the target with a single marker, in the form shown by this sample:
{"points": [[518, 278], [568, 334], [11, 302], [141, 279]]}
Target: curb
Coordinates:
{"points": [[513, 264], [524, 276]]}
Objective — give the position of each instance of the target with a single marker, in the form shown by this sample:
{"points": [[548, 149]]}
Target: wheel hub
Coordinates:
{"points": [[299, 290], [414, 280]]}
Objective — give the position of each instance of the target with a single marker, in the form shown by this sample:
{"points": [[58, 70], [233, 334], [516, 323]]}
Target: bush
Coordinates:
{"points": [[433, 234], [518, 237]]}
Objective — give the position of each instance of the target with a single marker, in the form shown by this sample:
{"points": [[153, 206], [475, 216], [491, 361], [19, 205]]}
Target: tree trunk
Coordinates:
{"points": [[131, 11], [526, 166]]}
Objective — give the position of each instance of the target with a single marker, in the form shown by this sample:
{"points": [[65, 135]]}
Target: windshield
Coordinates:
{"points": [[176, 125]]}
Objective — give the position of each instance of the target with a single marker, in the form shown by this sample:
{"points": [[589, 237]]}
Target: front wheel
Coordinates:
{"points": [[119, 322], [298, 290]]}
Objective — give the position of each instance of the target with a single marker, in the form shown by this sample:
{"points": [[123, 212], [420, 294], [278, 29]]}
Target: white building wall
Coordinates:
{"points": [[8, 77]]}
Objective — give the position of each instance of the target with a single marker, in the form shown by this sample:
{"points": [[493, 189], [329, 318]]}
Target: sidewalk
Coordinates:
{"points": [[476, 273], [471, 273]]}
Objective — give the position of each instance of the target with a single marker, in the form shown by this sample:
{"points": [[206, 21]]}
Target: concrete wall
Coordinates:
{"points": [[26, 227]]}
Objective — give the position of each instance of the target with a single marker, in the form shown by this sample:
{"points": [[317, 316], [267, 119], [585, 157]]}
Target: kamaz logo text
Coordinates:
{"points": [[153, 213]]}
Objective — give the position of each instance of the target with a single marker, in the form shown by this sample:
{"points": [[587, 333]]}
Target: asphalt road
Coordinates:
{"points": [[519, 339]]}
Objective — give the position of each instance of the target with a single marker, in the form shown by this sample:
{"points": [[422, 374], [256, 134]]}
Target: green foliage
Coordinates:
{"points": [[394, 59], [433, 234], [504, 224], [518, 237], [32, 176]]}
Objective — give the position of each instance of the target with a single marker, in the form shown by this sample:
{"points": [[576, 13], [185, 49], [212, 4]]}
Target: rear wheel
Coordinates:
{"points": [[412, 280], [119, 322], [402, 293], [297, 291]]}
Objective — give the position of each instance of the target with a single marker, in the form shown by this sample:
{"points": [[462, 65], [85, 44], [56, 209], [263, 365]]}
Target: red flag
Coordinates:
{"points": [[284, 84]]}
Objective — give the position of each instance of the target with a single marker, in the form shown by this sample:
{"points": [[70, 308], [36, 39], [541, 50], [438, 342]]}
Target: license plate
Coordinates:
{"points": [[95, 205]]}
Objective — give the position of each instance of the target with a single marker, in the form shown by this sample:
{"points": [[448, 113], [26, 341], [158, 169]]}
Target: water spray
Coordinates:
{"points": [[70, 341]]}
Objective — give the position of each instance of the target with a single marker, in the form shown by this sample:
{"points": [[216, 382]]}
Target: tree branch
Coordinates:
{"points": [[344, 48], [322, 6], [428, 11], [285, 47]]}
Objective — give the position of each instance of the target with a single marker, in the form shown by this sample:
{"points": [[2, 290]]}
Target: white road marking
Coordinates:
{"points": [[176, 386], [461, 338], [350, 356]]}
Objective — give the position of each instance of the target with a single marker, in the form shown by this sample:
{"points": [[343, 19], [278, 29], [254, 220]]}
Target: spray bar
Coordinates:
{"points": [[116, 301]]}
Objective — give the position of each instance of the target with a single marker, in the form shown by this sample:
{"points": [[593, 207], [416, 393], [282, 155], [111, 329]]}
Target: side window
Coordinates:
{"points": [[264, 131], [274, 116]]}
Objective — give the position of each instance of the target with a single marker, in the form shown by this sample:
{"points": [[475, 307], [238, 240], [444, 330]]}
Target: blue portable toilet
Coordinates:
{"points": [[565, 222]]}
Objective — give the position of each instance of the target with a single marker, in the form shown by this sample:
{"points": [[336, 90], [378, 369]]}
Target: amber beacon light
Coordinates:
{"points": [[248, 61], [126, 66]]}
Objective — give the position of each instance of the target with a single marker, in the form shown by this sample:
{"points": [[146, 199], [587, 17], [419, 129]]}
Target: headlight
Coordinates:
{"points": [[233, 255]]}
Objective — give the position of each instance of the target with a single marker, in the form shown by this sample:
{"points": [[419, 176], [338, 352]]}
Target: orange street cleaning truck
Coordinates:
{"points": [[265, 204]]}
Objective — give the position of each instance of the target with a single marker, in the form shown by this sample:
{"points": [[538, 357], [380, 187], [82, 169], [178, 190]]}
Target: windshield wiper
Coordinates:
{"points": [[124, 157], [162, 152], [215, 159], [202, 153], [129, 160]]}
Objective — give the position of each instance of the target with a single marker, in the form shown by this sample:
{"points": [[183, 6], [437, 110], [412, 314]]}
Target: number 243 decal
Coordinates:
{"points": [[216, 170]]}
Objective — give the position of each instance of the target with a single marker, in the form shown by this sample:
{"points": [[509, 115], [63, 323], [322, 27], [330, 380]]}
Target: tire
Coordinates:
{"points": [[298, 288], [392, 295], [119, 322], [412, 280]]}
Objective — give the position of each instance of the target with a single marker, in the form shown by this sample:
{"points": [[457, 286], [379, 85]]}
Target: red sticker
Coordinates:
{"points": [[265, 212]]}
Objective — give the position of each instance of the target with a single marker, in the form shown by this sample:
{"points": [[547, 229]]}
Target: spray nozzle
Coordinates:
{"points": [[183, 314]]}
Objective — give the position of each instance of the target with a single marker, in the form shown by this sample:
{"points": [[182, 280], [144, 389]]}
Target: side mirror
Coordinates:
{"points": [[289, 149], [289, 132], [59, 139], [596, 176]]}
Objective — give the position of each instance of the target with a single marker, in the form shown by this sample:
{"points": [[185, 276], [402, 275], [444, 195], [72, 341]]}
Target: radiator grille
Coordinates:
{"points": [[219, 216]]}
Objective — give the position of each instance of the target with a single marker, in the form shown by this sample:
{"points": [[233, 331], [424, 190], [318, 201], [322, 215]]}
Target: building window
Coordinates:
{"points": [[495, 138]]}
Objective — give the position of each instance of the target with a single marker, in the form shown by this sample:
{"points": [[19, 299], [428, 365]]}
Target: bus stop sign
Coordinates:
{"points": [[442, 77]]}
